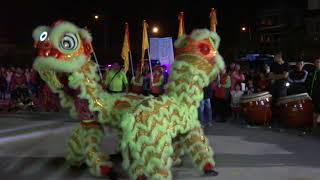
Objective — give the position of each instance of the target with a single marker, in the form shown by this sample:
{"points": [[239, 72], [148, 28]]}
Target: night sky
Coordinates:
{"points": [[19, 18]]}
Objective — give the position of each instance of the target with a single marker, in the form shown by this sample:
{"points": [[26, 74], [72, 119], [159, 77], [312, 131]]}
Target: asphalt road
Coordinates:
{"points": [[32, 146]]}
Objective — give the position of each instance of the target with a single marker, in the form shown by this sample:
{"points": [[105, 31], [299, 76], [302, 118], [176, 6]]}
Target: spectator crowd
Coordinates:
{"points": [[22, 88], [221, 98]]}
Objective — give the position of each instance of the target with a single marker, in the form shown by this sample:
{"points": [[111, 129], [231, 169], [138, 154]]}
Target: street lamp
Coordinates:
{"points": [[245, 29], [102, 19], [155, 30]]}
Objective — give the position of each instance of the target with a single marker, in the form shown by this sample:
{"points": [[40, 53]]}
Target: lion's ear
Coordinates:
{"points": [[215, 39], [179, 42], [85, 35], [36, 34]]}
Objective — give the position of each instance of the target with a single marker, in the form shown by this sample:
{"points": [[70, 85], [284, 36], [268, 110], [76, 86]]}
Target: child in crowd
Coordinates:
{"points": [[250, 89], [262, 83], [235, 101]]}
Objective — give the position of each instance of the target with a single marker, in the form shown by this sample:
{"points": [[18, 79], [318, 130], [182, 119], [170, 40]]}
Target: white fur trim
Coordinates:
{"points": [[85, 35]]}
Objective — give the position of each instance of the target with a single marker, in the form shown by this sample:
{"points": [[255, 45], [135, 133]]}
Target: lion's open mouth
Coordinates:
{"points": [[45, 49], [49, 53]]}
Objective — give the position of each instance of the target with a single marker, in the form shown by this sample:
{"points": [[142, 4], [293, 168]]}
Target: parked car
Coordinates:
{"points": [[255, 61]]}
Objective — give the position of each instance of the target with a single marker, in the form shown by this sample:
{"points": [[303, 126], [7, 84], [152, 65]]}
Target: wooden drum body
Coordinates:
{"points": [[257, 108], [296, 110]]}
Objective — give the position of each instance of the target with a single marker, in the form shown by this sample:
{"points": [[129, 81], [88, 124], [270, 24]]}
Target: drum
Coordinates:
{"points": [[296, 110], [257, 108]]}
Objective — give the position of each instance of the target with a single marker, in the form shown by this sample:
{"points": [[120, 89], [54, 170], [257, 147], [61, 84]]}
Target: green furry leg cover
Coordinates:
{"points": [[146, 153], [84, 147], [199, 150], [75, 155], [153, 161], [178, 147]]}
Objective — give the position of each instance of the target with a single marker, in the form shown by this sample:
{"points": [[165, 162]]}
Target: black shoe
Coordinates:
{"points": [[211, 173], [116, 157], [113, 175], [221, 120]]}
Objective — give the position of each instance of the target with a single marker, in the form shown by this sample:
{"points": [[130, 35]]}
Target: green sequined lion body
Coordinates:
{"points": [[154, 132]]}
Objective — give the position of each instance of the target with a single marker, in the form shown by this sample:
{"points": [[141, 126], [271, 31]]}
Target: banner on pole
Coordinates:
{"points": [[162, 49]]}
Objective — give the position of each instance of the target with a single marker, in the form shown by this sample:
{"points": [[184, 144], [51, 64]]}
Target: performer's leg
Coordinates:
{"points": [[75, 155], [198, 148], [95, 159], [178, 150], [152, 160], [137, 168], [162, 170], [201, 113], [208, 111]]}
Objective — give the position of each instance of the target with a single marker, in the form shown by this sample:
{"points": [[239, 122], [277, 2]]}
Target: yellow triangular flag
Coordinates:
{"points": [[181, 31], [126, 48], [145, 41], [213, 20]]}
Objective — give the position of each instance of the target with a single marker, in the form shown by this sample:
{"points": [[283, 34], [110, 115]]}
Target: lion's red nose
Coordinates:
{"points": [[43, 45], [45, 49]]}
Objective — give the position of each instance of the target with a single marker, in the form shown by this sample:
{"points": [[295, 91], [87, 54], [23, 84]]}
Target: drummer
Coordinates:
{"points": [[278, 76], [314, 90]]}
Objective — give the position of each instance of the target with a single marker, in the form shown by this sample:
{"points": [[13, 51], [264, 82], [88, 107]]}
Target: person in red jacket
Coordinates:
{"points": [[18, 80], [236, 77], [20, 95], [221, 95], [262, 83], [137, 82], [157, 81], [18, 85]]}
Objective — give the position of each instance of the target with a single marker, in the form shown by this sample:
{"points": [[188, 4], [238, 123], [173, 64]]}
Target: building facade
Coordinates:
{"points": [[276, 26]]}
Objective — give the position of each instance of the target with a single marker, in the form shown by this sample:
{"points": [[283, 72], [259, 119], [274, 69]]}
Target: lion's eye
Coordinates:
{"points": [[43, 36], [69, 41], [204, 48]]}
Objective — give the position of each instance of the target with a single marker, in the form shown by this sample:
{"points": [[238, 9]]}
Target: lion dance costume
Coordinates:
{"points": [[154, 131]]}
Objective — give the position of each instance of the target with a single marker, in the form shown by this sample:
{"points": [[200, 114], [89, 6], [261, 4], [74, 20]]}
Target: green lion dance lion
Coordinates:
{"points": [[154, 131]]}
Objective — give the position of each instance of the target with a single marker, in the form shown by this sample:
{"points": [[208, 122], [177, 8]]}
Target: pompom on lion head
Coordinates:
{"points": [[201, 50]]}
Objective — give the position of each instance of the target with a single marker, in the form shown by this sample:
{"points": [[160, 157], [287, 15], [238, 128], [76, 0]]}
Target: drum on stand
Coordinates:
{"points": [[296, 110], [257, 108]]}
